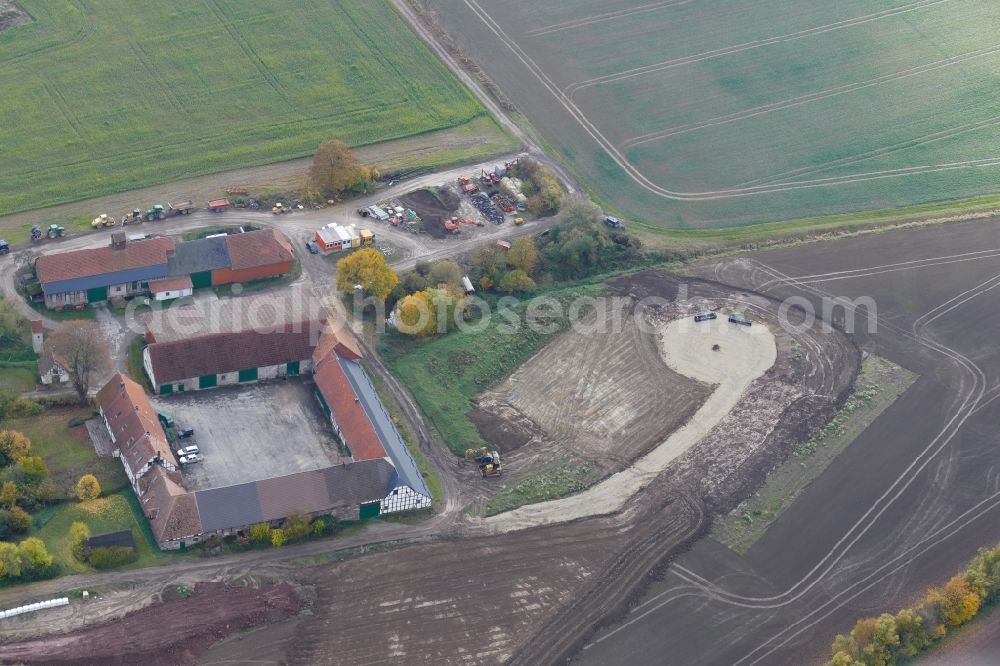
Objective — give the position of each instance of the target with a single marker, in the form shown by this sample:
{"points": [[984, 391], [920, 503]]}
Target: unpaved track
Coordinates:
{"points": [[745, 354]]}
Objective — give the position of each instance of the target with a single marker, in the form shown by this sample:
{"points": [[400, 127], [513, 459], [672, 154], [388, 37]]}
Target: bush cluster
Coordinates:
{"points": [[889, 639], [109, 557]]}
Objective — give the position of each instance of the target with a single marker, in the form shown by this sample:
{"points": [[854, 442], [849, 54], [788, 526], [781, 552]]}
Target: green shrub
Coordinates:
{"points": [[24, 407], [108, 557]]}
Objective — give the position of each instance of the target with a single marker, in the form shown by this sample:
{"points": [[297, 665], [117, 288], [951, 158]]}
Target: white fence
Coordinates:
{"points": [[48, 603]]}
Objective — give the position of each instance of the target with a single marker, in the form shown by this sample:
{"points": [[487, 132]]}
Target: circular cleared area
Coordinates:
{"points": [[717, 351]]}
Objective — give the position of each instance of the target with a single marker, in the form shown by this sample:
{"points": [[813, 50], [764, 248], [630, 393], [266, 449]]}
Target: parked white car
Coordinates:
{"points": [[187, 450], [188, 459]]}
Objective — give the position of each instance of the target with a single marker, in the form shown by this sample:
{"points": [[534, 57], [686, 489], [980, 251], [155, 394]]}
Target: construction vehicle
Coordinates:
{"points": [[466, 185], [280, 209], [490, 465], [4, 247], [487, 178], [135, 217], [503, 203], [218, 205], [452, 225], [472, 454], [488, 461], [102, 220]]}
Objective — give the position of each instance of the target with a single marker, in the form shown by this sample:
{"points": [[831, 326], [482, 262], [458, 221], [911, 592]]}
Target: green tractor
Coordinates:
{"points": [[55, 231], [155, 213]]}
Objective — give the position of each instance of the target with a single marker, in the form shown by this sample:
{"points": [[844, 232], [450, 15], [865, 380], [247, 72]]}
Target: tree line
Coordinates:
{"points": [[889, 639]]}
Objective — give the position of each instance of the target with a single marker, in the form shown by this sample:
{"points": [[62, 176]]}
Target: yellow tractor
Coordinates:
{"points": [[103, 220], [280, 209]]}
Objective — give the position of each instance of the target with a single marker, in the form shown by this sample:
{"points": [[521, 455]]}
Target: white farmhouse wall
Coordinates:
{"points": [[227, 378], [403, 498], [176, 293]]}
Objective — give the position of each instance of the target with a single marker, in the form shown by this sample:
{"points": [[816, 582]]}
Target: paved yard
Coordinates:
{"points": [[249, 433]]}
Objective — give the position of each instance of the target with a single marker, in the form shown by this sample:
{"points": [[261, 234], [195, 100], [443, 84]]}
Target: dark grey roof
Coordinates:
{"points": [[406, 468], [122, 538], [206, 254], [231, 506], [315, 491], [143, 274]]}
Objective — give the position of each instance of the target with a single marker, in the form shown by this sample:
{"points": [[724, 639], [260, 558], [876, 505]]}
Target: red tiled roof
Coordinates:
{"points": [[133, 421], [101, 260], [357, 431], [37, 326], [258, 248], [171, 510], [170, 284], [337, 336], [232, 351]]}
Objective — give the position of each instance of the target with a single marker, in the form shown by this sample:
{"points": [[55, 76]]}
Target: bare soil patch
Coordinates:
{"points": [[433, 208], [470, 602], [600, 391], [11, 14], [171, 632]]}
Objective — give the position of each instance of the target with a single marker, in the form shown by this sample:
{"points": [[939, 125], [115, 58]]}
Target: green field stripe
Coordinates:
{"points": [[164, 87], [67, 113], [248, 51]]}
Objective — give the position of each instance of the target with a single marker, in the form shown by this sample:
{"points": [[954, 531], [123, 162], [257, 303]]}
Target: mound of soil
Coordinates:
{"points": [[11, 15], [172, 632], [433, 208]]}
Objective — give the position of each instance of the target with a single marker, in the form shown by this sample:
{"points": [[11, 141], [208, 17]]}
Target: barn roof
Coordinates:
{"points": [[355, 426], [205, 254], [170, 284], [258, 248], [315, 491], [219, 353], [102, 261], [122, 538], [172, 511], [390, 438]]}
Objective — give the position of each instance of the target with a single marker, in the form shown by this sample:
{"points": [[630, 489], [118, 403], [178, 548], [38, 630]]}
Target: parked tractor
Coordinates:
{"points": [[102, 220], [280, 209], [158, 212], [54, 231]]}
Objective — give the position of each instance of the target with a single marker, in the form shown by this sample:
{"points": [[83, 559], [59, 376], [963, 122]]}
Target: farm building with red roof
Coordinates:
{"points": [[161, 267]]}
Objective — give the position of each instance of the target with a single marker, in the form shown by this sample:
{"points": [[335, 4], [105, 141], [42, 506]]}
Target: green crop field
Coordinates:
{"points": [[107, 96], [724, 112]]}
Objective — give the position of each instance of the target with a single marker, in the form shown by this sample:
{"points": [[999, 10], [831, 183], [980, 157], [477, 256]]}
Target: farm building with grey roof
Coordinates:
{"points": [[157, 266]]}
